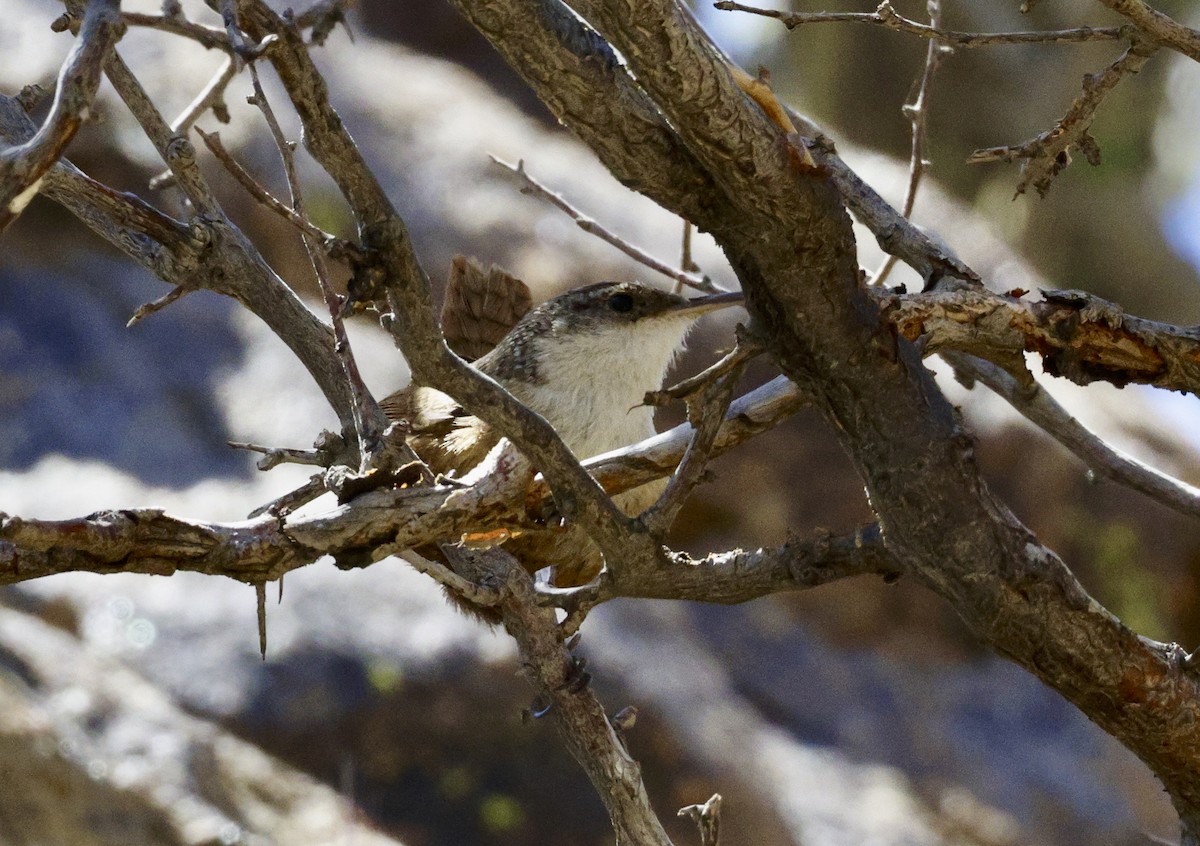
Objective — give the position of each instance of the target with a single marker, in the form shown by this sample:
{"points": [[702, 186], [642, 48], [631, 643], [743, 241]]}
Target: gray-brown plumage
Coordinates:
{"points": [[584, 361]]}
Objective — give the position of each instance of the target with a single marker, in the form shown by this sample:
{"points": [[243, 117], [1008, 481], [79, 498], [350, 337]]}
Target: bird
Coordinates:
{"points": [[584, 361]]}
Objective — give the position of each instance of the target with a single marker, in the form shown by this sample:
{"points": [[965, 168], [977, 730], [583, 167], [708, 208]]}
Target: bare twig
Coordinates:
{"points": [[367, 415], [211, 97], [708, 400], [260, 599], [686, 264], [1099, 457], [144, 311], [23, 166], [593, 227], [274, 456], [1047, 155], [256, 190], [465, 588], [886, 16], [917, 112], [206, 36], [293, 499]]}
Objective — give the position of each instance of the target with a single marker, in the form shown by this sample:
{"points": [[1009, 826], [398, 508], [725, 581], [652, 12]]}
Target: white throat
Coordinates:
{"points": [[591, 385]]}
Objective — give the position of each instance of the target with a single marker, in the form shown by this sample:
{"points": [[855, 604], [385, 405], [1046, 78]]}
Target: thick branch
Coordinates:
{"points": [[939, 519], [374, 525], [1079, 336], [1159, 27]]}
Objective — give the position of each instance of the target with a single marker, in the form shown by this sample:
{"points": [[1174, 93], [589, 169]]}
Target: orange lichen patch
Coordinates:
{"points": [[488, 540]]}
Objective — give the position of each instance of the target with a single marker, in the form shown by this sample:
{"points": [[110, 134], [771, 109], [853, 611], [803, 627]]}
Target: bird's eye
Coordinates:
{"points": [[620, 302]]}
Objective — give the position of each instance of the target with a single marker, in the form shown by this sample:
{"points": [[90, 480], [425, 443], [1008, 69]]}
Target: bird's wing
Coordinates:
{"points": [[440, 430]]}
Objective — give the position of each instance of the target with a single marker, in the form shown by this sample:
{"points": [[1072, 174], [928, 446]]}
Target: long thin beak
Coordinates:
{"points": [[702, 305]]}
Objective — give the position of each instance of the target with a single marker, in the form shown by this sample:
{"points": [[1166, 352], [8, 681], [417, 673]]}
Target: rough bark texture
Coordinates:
{"points": [[671, 121], [786, 232]]}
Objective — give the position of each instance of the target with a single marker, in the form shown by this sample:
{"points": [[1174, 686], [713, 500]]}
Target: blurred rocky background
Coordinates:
{"points": [[137, 710]]}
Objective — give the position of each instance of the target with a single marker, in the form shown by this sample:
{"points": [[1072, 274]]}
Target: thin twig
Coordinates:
{"points": [[211, 97], [587, 224], [260, 599], [747, 348], [293, 499], [686, 264], [365, 421], [706, 413], [274, 456], [162, 302], [377, 452], [1100, 457], [917, 112], [886, 16], [208, 37], [452, 581], [1049, 153], [256, 190]]}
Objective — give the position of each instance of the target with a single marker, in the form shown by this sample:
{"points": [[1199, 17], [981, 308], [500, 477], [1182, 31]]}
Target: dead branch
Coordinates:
{"points": [[1079, 336], [593, 227], [1047, 155], [917, 113], [886, 16], [1159, 27], [380, 522], [23, 165]]}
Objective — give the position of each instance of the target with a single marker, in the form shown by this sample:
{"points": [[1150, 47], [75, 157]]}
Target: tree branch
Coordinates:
{"points": [[1101, 458], [1159, 27], [592, 227], [1079, 336], [1049, 153], [23, 166], [886, 16], [380, 522], [564, 694], [917, 113], [406, 288], [940, 520]]}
